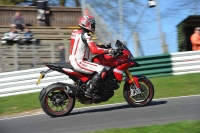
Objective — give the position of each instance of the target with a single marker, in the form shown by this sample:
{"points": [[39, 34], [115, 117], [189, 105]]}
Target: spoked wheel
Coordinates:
{"points": [[56, 102], [142, 99]]}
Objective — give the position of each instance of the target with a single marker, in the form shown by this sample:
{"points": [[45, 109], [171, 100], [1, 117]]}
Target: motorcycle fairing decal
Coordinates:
{"points": [[68, 70], [118, 71], [107, 67], [118, 74]]}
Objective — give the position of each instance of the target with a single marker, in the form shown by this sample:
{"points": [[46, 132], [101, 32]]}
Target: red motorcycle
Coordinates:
{"points": [[58, 99]]}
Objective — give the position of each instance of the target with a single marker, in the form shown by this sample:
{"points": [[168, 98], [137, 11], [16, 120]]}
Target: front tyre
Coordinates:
{"points": [[56, 102], [147, 93]]}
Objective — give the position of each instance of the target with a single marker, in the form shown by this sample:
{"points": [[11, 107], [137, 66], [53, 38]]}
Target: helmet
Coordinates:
{"points": [[87, 22]]}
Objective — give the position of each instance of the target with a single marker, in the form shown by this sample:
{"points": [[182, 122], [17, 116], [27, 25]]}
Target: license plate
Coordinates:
{"points": [[39, 79]]}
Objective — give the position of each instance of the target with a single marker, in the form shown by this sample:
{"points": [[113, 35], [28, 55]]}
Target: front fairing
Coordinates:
{"points": [[106, 60], [124, 56], [124, 49]]}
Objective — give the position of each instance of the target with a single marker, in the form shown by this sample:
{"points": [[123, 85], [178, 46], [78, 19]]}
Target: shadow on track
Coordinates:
{"points": [[117, 107], [153, 103]]}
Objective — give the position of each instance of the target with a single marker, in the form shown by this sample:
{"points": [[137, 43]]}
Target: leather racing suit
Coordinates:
{"points": [[81, 46]]}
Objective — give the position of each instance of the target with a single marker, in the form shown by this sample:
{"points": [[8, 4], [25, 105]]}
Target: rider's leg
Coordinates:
{"points": [[96, 79], [89, 68]]}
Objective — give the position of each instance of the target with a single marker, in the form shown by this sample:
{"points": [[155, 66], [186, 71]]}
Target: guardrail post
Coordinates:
{"points": [[67, 50], [34, 54], [164, 45], [15, 54], [136, 40], [52, 52], [1, 61]]}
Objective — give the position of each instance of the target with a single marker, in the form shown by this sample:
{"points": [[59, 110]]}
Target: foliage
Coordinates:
{"points": [[176, 7], [110, 12], [11, 2], [62, 2]]}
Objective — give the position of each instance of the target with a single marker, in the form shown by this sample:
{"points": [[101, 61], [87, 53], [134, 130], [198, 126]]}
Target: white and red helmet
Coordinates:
{"points": [[87, 22]]}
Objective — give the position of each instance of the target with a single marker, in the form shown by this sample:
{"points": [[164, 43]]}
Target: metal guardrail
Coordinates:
{"points": [[24, 81], [168, 64], [185, 62], [153, 66]]}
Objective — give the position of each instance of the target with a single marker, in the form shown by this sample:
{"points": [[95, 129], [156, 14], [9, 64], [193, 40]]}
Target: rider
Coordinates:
{"points": [[80, 48]]}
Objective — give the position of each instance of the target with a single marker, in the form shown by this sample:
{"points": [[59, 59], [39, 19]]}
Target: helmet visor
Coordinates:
{"points": [[93, 26]]}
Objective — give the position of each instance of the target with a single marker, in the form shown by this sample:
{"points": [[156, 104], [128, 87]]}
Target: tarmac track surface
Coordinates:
{"points": [[160, 111]]}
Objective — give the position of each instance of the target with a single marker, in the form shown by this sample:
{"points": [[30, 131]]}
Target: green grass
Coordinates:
{"points": [[171, 86], [179, 127]]}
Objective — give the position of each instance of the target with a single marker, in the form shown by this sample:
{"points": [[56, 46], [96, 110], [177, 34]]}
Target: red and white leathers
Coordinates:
{"points": [[80, 48]]}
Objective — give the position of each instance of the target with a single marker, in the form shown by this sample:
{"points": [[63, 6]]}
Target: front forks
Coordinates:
{"points": [[136, 90]]}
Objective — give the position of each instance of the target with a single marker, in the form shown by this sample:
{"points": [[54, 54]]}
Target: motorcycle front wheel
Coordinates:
{"points": [[56, 102], [138, 100]]}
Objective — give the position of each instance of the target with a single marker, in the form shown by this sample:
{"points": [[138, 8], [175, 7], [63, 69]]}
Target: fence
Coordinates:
{"points": [[21, 82], [20, 57]]}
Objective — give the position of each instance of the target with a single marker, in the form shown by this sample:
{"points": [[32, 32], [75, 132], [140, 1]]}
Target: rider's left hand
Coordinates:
{"points": [[112, 51]]}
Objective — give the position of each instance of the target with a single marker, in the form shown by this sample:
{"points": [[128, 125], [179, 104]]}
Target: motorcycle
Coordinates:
{"points": [[58, 99]]}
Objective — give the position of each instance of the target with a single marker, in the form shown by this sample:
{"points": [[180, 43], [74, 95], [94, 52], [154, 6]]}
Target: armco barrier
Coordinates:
{"points": [[168, 64], [153, 66], [185, 62], [21, 82]]}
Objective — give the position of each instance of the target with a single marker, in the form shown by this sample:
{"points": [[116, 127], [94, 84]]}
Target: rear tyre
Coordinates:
{"points": [[56, 102], [146, 96]]}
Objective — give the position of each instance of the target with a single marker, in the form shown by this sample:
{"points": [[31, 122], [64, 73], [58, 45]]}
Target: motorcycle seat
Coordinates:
{"points": [[66, 65], [61, 65]]}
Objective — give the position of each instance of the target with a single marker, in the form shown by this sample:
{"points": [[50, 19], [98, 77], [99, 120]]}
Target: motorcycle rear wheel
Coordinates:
{"points": [[56, 102], [146, 96]]}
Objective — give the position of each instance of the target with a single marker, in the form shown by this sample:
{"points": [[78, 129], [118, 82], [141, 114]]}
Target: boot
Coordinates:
{"points": [[93, 82], [88, 92]]}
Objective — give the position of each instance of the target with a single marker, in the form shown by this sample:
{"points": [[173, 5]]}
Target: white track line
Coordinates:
{"points": [[100, 106]]}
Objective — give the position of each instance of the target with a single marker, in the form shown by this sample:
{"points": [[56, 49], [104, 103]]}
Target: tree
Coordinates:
{"points": [[11, 2], [177, 7], [77, 3], [63, 2], [109, 11]]}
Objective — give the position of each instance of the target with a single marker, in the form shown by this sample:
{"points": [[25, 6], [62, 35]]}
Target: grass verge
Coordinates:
{"points": [[179, 127], [171, 86]]}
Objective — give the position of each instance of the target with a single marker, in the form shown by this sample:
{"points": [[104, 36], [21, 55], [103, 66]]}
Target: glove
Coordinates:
{"points": [[111, 52]]}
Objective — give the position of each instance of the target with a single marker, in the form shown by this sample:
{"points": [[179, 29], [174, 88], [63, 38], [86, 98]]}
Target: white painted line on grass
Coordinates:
{"points": [[100, 106]]}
